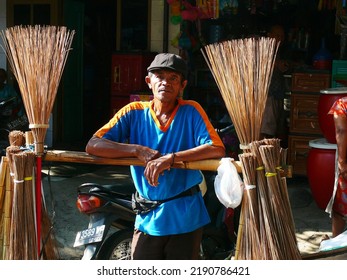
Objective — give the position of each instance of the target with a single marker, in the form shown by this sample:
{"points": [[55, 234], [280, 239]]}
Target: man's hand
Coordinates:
{"points": [[146, 154], [156, 168]]}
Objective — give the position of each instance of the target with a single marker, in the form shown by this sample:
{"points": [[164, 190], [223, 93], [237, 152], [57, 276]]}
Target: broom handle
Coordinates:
{"points": [[38, 201], [83, 157]]}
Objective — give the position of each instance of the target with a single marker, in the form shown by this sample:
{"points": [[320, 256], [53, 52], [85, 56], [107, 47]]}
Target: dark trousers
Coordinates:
{"points": [[184, 246]]}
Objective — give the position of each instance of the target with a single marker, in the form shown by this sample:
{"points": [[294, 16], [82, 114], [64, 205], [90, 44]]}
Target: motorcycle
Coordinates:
{"points": [[11, 118], [107, 206], [111, 222]]}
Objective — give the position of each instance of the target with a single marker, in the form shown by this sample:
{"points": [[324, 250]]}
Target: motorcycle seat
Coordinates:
{"points": [[118, 190]]}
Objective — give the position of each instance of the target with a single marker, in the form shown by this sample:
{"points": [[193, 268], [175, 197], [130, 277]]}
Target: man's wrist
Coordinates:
{"points": [[173, 155]]}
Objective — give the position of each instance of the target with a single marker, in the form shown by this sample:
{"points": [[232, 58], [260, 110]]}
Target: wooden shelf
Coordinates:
{"points": [[304, 123]]}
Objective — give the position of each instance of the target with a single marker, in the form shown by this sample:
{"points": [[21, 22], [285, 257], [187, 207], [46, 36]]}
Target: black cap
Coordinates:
{"points": [[169, 61]]}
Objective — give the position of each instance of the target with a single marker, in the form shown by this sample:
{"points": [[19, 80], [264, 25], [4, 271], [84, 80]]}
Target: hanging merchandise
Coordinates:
{"points": [[184, 41], [175, 40], [189, 12], [202, 9], [188, 39], [208, 8], [176, 17]]}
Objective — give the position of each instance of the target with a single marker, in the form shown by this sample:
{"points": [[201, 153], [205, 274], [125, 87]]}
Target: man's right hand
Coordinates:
{"points": [[146, 154]]}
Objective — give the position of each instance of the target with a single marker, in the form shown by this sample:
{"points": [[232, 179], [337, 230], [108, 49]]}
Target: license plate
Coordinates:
{"points": [[89, 235]]}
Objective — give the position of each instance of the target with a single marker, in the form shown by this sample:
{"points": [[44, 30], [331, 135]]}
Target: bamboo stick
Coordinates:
{"points": [[10, 151], [3, 174], [3, 169], [29, 139], [29, 205], [83, 157], [7, 213], [1, 235], [6, 241]]}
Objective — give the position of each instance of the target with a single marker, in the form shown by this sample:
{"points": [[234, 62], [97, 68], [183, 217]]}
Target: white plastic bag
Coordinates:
{"points": [[228, 184]]}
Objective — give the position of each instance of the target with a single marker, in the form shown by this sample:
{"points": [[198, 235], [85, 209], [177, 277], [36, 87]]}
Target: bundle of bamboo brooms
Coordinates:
{"points": [[18, 240], [37, 56], [243, 69]]}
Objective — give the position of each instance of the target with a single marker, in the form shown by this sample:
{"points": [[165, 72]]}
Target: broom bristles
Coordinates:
{"points": [[16, 138], [17, 244], [242, 70], [249, 230], [37, 56], [270, 222], [284, 229]]}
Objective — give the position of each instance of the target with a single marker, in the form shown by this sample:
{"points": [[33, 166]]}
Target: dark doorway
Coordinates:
{"points": [[98, 43], [109, 26]]}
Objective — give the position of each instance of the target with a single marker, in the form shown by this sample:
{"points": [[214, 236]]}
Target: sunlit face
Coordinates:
{"points": [[166, 85]]}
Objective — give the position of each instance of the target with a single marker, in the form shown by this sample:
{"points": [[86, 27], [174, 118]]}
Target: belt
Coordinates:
{"points": [[191, 191], [141, 205]]}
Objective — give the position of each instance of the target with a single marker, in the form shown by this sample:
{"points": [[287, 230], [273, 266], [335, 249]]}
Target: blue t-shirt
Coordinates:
{"points": [[188, 127]]}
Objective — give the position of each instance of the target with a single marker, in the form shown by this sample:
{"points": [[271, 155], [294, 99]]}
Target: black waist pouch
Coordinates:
{"points": [[142, 205]]}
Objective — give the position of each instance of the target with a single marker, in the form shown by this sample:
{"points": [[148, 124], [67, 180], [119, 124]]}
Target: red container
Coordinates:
{"points": [[322, 64], [321, 170], [326, 121]]}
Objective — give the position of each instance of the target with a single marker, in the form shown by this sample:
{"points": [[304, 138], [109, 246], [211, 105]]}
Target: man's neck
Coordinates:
{"points": [[161, 108]]}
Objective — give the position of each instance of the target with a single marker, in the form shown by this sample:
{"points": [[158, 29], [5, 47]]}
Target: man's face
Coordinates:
{"points": [[166, 85]]}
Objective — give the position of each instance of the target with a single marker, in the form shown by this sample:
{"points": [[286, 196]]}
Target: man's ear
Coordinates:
{"points": [[184, 84], [148, 81]]}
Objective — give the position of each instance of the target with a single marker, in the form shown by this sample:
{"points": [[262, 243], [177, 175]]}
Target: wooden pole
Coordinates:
{"points": [[38, 201], [82, 157], [3, 174], [7, 211]]}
